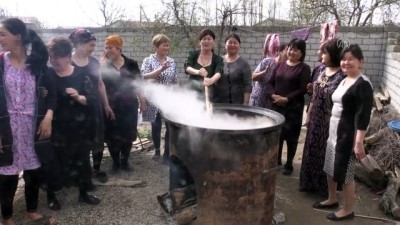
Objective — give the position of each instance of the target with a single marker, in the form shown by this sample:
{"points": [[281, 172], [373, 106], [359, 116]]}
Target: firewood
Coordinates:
{"points": [[385, 92], [362, 176], [378, 103], [120, 182], [388, 201], [377, 136], [371, 166]]}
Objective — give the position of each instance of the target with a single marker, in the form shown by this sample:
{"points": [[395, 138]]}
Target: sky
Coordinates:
{"points": [[73, 13], [84, 13]]}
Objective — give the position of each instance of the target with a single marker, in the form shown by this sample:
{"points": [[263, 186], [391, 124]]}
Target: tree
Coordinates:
{"points": [[348, 13], [110, 13]]}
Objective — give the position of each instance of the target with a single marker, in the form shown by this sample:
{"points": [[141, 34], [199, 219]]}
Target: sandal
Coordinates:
{"points": [[45, 220]]}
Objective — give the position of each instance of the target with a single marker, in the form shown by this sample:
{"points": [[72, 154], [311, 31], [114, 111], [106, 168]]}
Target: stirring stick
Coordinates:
{"points": [[208, 103]]}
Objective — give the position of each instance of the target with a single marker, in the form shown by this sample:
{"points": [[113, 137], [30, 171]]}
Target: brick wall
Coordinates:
{"points": [[391, 74], [372, 40]]}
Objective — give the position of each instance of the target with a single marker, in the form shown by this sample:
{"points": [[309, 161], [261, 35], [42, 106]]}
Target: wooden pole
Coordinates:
{"points": [[208, 103]]}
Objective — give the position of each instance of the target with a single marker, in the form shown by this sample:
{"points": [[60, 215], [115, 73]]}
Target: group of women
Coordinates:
{"points": [[337, 116], [51, 118]]}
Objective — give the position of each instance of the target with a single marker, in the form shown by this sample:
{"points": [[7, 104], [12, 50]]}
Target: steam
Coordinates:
{"points": [[183, 106]]}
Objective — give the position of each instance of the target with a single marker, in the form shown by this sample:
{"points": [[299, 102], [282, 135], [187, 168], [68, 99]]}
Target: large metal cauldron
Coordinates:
{"points": [[233, 170]]}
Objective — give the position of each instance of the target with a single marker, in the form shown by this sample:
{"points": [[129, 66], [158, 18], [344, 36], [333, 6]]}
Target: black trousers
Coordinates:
{"points": [[8, 187], [120, 150], [156, 135]]}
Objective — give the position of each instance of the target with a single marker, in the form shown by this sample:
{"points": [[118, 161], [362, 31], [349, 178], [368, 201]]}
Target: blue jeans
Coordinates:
{"points": [[156, 135]]}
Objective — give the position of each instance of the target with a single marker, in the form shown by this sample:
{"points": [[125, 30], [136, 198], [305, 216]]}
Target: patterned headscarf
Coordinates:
{"points": [[81, 35], [273, 45], [266, 46], [114, 40]]}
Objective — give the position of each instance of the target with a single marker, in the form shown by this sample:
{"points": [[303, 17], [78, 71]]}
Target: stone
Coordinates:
{"points": [[279, 218]]}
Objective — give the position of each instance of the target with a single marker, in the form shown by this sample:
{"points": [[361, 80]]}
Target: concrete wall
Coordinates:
{"points": [[391, 75], [372, 40]]}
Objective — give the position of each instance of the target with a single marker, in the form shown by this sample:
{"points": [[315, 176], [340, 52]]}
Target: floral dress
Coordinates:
{"points": [[21, 100], [258, 96], [168, 77]]}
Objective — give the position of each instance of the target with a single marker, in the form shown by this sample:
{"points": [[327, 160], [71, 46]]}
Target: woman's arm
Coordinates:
{"points": [[104, 99], [44, 130]]}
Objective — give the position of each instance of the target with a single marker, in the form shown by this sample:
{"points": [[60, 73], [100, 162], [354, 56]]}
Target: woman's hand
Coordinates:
{"points": [[44, 130], [208, 81], [202, 72], [75, 95], [109, 113], [310, 88], [143, 106], [164, 66], [359, 150], [279, 100]]}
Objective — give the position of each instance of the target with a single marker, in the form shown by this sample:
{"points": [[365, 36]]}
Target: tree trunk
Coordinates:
{"points": [[388, 201]]}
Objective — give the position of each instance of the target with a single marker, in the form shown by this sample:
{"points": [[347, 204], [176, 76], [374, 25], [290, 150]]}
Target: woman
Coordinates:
{"points": [[119, 73], [289, 84], [84, 43], [73, 120], [262, 74], [352, 105], [315, 73], [160, 68], [27, 101], [234, 86], [312, 177], [203, 66]]}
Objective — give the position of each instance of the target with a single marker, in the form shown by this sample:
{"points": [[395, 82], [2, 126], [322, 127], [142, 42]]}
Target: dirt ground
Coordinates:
{"points": [[138, 206], [297, 206]]}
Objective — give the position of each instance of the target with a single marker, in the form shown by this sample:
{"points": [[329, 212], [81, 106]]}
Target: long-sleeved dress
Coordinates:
{"points": [[312, 177], [92, 68], [258, 96], [123, 99], [235, 81], [290, 82], [352, 105], [73, 128]]}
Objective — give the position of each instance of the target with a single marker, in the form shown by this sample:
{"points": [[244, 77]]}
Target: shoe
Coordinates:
{"points": [[332, 216], [100, 176], [89, 199], [54, 204], [127, 168], [91, 187], [287, 172], [318, 205], [156, 156]]}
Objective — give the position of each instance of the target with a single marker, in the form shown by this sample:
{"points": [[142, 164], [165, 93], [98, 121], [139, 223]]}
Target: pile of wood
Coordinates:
{"points": [[380, 170], [381, 142], [381, 98]]}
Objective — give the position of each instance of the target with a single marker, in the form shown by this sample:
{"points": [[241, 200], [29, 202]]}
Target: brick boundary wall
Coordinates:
{"points": [[379, 61], [391, 74]]}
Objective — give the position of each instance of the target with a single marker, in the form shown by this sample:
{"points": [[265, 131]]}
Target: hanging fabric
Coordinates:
{"points": [[301, 34]]}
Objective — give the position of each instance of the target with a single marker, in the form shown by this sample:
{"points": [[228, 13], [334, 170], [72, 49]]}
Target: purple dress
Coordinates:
{"points": [[312, 177], [21, 99], [258, 96]]}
